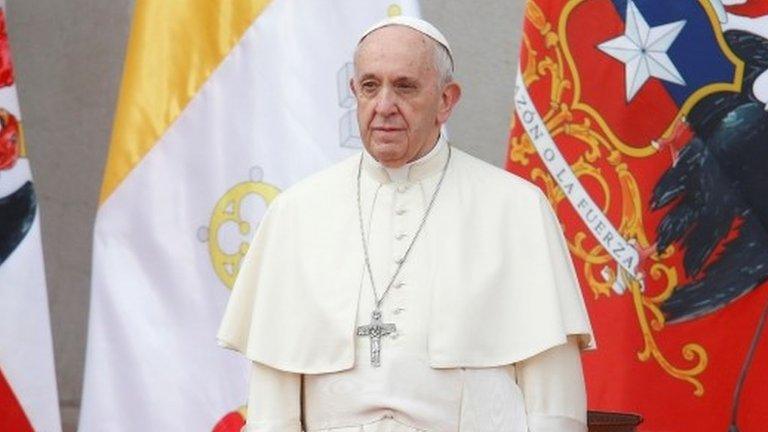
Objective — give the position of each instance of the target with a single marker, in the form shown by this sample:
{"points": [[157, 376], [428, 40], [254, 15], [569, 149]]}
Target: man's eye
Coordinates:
{"points": [[368, 85]]}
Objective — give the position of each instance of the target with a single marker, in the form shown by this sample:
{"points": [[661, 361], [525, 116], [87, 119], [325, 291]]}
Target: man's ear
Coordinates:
{"points": [[448, 99], [352, 86]]}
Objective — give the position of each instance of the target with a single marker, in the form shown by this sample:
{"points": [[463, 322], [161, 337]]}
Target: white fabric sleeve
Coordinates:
{"points": [[274, 403], [552, 383]]}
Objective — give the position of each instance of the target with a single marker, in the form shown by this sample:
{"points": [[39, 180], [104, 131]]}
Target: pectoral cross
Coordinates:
{"points": [[375, 330]]}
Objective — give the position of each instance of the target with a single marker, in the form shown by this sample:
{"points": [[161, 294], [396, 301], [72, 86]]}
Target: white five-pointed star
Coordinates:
{"points": [[643, 50]]}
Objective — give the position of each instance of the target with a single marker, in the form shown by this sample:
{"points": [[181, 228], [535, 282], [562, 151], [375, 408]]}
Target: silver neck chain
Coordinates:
{"points": [[401, 261]]}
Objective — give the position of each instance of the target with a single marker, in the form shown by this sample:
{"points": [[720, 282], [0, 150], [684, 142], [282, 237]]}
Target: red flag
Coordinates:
{"points": [[231, 422], [12, 417], [6, 63], [645, 123]]}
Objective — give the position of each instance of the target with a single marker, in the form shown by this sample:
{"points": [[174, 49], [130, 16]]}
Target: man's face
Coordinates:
{"points": [[400, 103]]}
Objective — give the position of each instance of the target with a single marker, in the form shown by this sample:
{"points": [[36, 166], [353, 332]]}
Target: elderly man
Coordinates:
{"points": [[412, 287]]}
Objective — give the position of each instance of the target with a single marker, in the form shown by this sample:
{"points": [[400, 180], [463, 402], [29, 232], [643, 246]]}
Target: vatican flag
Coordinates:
{"points": [[222, 105]]}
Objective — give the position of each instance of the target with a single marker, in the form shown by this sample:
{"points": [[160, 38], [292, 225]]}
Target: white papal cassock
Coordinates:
{"points": [[489, 316]]}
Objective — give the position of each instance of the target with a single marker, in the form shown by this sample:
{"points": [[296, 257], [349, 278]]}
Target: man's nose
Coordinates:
{"points": [[386, 102]]}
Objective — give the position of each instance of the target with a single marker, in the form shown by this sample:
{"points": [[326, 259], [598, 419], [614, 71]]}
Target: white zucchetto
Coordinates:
{"points": [[417, 24]]}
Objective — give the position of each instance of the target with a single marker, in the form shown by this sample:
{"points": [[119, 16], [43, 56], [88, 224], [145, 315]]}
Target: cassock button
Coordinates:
{"points": [[399, 285], [399, 260], [400, 211], [401, 236], [398, 311], [402, 188]]}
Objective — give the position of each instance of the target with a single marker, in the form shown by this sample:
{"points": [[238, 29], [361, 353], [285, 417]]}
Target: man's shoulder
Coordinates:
{"points": [[494, 179], [323, 184]]}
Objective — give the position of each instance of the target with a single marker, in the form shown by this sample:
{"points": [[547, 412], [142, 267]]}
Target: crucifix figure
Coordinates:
{"points": [[375, 330]]}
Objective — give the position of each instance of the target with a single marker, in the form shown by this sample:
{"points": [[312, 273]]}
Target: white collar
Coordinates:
{"points": [[422, 167]]}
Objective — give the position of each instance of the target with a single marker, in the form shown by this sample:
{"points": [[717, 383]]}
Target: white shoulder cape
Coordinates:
{"points": [[506, 289]]}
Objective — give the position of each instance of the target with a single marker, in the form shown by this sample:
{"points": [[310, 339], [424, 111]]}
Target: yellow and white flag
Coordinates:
{"points": [[28, 397], [222, 105]]}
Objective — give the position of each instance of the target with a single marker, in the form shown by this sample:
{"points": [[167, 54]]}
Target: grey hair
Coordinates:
{"points": [[443, 61]]}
